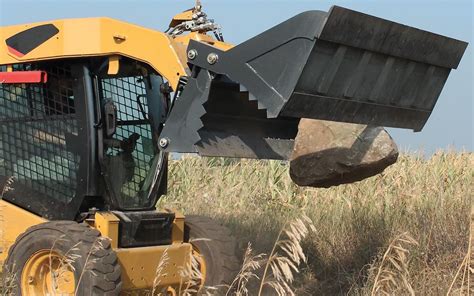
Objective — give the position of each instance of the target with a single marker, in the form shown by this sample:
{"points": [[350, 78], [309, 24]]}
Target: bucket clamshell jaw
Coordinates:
{"points": [[340, 65]]}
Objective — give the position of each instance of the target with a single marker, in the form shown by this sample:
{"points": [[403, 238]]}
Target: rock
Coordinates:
{"points": [[329, 154]]}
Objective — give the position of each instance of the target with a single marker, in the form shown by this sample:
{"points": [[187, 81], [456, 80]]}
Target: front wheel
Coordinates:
{"points": [[215, 250], [63, 258]]}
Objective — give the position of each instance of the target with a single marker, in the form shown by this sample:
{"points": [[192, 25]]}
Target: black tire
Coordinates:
{"points": [[97, 265], [216, 243]]}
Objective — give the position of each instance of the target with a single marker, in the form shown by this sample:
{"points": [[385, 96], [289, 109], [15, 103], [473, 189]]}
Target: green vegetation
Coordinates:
{"points": [[403, 232]]}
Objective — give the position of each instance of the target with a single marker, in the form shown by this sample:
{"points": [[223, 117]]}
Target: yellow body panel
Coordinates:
{"points": [[114, 65], [140, 266], [184, 40], [101, 37], [108, 225], [13, 222], [182, 17], [177, 234]]}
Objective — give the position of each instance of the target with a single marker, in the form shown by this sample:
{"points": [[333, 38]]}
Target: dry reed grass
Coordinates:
{"points": [[251, 264], [286, 257], [431, 199], [392, 275]]}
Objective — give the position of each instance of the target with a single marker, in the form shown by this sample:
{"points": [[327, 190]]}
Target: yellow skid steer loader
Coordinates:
{"points": [[91, 108]]}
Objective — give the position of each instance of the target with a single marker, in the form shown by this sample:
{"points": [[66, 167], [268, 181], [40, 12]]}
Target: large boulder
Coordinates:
{"points": [[328, 153]]}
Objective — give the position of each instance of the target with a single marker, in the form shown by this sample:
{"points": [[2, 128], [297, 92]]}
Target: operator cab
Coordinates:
{"points": [[84, 139]]}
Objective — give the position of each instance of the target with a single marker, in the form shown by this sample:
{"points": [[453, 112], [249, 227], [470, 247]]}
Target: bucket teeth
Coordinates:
{"points": [[182, 127], [196, 121]]}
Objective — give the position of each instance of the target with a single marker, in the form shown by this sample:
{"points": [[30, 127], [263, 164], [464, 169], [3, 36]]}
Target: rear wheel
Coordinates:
{"points": [[63, 258], [215, 251]]}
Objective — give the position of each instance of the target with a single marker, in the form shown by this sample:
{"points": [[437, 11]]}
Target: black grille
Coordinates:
{"points": [[142, 229], [129, 97], [38, 124]]}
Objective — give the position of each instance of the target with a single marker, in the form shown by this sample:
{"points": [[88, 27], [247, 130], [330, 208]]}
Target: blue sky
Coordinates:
{"points": [[452, 121]]}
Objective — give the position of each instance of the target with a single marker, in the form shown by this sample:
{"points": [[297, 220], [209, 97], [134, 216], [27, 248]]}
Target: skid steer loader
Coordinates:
{"points": [[91, 108]]}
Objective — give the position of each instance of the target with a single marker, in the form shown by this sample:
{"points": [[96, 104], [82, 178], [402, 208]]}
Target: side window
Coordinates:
{"points": [[127, 168], [36, 123]]}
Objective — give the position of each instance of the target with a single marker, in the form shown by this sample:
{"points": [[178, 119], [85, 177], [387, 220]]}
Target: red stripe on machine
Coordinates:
{"points": [[23, 77], [15, 52]]}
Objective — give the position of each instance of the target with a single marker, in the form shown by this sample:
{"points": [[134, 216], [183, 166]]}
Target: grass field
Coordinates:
{"points": [[408, 228]]}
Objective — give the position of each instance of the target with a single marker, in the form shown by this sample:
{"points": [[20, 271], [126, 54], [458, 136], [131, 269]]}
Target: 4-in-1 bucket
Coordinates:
{"points": [[340, 65]]}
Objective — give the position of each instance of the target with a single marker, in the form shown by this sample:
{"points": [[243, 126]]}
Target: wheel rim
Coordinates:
{"points": [[199, 257], [47, 273]]}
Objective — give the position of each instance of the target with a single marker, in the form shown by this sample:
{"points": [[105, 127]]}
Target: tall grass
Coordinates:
{"points": [[430, 200]]}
